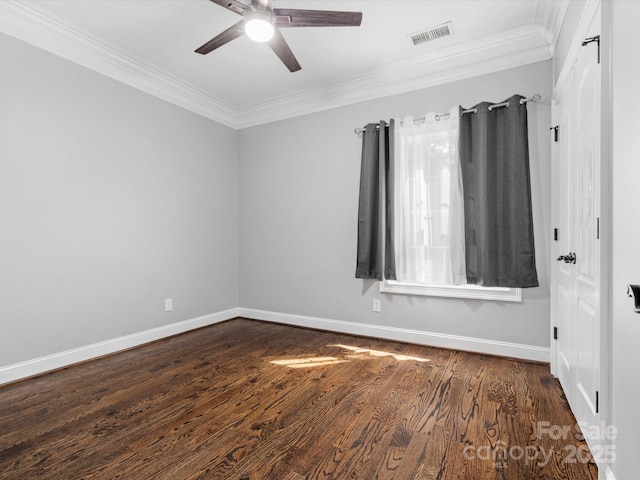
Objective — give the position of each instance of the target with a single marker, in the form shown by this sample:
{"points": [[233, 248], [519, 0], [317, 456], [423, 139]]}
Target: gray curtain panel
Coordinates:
{"points": [[494, 154], [374, 180]]}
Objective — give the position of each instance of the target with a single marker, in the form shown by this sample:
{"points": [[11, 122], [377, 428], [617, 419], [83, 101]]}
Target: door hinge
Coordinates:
{"points": [[555, 132], [555, 234], [555, 333], [589, 40], [597, 401]]}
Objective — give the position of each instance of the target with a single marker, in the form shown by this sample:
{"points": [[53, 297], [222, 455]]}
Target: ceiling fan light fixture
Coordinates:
{"points": [[261, 22], [259, 26]]}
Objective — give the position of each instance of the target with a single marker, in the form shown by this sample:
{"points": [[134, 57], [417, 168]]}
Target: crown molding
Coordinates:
{"points": [[32, 25], [548, 18], [519, 47], [487, 55]]}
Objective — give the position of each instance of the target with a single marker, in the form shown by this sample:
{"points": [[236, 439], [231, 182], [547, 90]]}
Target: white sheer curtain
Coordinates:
{"points": [[429, 207]]}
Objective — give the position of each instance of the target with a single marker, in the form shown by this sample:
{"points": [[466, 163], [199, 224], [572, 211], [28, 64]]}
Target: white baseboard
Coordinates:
{"points": [[456, 342], [29, 368]]}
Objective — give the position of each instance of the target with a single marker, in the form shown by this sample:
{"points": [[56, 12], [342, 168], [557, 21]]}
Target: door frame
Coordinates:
{"points": [[590, 10]]}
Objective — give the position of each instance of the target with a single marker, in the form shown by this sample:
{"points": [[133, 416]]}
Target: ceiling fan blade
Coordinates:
{"points": [[281, 48], [234, 5], [291, 17], [229, 34]]}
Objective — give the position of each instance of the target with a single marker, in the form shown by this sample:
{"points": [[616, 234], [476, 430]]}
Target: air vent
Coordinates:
{"points": [[432, 33]]}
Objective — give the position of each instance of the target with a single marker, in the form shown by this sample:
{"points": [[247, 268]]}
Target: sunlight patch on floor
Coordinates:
{"points": [[379, 353], [308, 362], [358, 353]]}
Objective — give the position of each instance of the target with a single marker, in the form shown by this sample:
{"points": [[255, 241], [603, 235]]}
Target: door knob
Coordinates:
{"points": [[569, 258]]}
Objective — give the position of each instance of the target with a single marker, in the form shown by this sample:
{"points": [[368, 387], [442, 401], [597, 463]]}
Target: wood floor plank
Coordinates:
{"points": [[248, 400]]}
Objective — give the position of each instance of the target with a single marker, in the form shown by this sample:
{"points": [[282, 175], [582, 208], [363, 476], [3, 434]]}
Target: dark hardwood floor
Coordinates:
{"points": [[252, 400]]}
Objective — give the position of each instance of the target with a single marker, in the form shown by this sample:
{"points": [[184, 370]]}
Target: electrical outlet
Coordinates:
{"points": [[377, 307], [168, 304]]}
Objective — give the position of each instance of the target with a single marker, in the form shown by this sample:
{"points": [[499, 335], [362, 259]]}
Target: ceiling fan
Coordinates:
{"points": [[262, 23]]}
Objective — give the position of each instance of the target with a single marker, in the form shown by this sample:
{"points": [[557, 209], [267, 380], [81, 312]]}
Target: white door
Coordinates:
{"points": [[577, 279], [586, 220], [565, 273]]}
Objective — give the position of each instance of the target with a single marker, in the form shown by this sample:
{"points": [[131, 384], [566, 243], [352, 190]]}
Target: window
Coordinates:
{"points": [[428, 205]]}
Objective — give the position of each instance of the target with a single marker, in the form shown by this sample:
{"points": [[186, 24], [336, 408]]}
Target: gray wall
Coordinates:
{"points": [[111, 200], [624, 353], [298, 181]]}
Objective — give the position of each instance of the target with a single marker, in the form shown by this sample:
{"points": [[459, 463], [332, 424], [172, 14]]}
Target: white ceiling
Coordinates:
{"points": [[150, 44]]}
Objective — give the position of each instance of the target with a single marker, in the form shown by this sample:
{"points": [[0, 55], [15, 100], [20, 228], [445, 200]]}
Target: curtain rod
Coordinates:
{"points": [[534, 98]]}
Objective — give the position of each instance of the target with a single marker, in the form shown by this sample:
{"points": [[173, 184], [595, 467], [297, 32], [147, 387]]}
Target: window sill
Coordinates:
{"points": [[455, 291]]}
